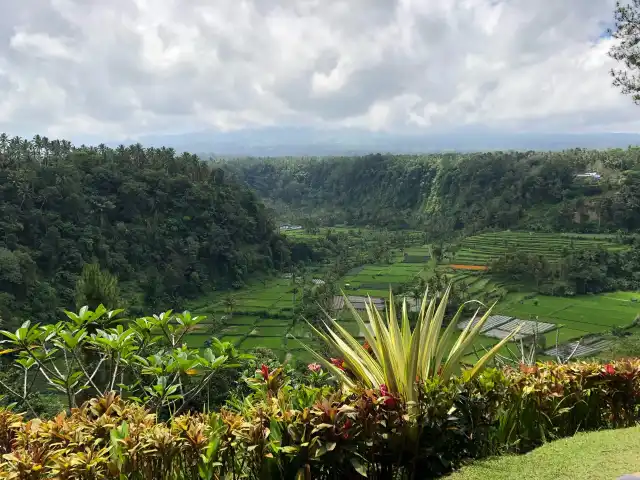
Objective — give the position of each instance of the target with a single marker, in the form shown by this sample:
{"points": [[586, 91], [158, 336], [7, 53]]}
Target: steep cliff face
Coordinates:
{"points": [[450, 192]]}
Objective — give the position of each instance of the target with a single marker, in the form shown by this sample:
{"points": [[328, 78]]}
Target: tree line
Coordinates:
{"points": [[578, 271], [447, 194], [168, 226]]}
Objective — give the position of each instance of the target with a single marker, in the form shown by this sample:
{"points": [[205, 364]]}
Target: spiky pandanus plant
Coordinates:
{"points": [[399, 356]]}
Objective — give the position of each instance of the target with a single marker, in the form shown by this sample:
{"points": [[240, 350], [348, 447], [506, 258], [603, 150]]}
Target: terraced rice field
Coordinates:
{"points": [[264, 311], [264, 314], [481, 250], [375, 280]]}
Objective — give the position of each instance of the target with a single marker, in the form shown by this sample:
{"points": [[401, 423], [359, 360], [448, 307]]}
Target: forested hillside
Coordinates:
{"points": [[167, 226], [456, 192]]}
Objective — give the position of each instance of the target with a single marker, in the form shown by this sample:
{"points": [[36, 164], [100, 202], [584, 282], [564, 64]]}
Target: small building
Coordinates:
{"points": [[287, 227], [593, 175]]}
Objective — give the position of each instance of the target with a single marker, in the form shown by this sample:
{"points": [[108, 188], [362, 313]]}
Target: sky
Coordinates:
{"points": [[125, 68]]}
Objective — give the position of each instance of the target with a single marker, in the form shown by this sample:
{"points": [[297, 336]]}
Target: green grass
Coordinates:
{"points": [[602, 455], [274, 343], [240, 320], [588, 313], [265, 331]]}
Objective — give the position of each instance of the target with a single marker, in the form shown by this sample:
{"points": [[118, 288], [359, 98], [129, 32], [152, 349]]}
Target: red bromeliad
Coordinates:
{"points": [[609, 369], [264, 370]]}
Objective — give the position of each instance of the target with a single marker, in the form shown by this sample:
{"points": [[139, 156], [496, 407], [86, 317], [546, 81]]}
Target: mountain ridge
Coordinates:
{"points": [[304, 141]]}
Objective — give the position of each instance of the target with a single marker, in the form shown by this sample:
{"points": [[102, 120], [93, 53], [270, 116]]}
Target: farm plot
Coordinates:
{"points": [[274, 343], [482, 249], [417, 255], [375, 280], [261, 315], [583, 317], [588, 313], [239, 320]]}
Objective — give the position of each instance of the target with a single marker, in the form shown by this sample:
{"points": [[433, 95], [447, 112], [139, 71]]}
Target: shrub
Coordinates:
{"points": [[549, 401], [279, 432], [302, 432], [92, 352]]}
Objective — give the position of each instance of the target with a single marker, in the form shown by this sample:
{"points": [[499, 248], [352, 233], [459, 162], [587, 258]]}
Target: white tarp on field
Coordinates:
{"points": [[357, 301], [492, 322], [499, 326], [582, 348]]}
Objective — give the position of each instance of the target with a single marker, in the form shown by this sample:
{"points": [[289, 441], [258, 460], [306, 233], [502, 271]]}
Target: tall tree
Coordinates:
{"points": [[626, 50], [97, 287]]}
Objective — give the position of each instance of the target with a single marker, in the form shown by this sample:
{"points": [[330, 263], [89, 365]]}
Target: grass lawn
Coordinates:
{"points": [[602, 455]]}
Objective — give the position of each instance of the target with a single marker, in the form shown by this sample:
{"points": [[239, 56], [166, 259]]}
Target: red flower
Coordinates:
{"points": [[609, 369], [264, 370], [338, 362], [389, 401], [314, 367], [347, 426], [383, 390]]}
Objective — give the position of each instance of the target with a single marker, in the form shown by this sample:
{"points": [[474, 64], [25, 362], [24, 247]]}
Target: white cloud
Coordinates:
{"points": [[122, 67]]}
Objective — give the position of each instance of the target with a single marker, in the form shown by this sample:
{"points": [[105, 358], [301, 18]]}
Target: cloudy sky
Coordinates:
{"points": [[114, 68]]}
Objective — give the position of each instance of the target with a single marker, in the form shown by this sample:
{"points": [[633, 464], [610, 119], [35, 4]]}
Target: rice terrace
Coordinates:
{"points": [[264, 312]]}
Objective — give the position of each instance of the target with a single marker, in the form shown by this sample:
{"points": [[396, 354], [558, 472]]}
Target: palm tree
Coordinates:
{"points": [[230, 303], [4, 142]]}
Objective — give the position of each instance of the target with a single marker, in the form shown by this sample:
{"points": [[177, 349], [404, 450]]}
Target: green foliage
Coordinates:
{"points": [[168, 226], [626, 31], [588, 270], [550, 401], [447, 194], [144, 358], [96, 287], [302, 432]]}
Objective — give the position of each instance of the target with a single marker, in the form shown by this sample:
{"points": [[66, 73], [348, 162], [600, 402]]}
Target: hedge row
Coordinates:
{"points": [[307, 432]]}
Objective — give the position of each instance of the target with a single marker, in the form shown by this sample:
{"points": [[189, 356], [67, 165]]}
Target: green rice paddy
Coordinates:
{"points": [[483, 249], [264, 312]]}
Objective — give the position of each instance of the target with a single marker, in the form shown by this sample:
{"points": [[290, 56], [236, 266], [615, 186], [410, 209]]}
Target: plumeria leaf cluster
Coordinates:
{"points": [[92, 353]]}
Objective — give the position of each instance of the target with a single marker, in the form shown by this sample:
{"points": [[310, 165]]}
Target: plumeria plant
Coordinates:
{"points": [[144, 359]]}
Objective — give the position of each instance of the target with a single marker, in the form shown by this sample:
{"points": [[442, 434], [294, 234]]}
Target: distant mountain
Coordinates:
{"points": [[299, 141]]}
